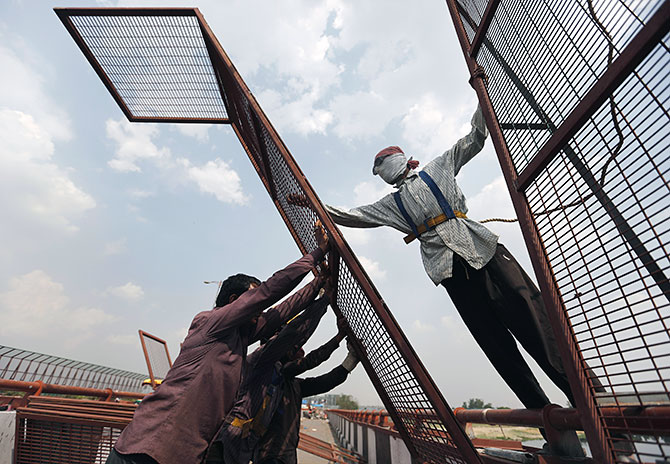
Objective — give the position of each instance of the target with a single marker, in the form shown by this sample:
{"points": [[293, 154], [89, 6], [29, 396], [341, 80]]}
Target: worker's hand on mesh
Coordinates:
{"points": [[321, 236], [479, 73], [297, 199], [351, 361], [342, 326]]}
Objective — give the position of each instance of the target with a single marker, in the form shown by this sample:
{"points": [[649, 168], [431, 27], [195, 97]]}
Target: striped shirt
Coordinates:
{"points": [[465, 237]]}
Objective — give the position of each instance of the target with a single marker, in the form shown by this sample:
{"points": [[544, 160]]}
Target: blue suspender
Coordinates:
{"points": [[444, 204], [403, 211]]}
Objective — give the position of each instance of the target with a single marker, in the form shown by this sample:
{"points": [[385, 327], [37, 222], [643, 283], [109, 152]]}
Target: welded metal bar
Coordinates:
{"points": [[146, 358], [483, 28], [31, 387], [570, 354], [64, 15], [634, 53]]}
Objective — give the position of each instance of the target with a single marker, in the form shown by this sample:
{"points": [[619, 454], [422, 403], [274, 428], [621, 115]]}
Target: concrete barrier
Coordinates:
{"points": [[377, 444]]}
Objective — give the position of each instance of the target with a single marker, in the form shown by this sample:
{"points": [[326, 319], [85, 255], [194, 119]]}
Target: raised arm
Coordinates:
{"points": [[253, 301], [315, 357], [326, 382], [273, 318], [467, 147]]}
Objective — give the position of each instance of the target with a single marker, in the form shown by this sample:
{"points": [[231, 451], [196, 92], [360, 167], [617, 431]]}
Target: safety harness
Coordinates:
{"points": [[428, 224]]}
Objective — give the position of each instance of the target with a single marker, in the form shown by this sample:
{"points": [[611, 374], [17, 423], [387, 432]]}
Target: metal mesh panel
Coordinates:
{"points": [[28, 366], [422, 416], [557, 50], [619, 314], [58, 442], [428, 435], [601, 205], [156, 354], [69, 431], [158, 65]]}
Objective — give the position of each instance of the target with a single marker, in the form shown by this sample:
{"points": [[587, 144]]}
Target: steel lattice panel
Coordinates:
{"points": [[28, 366], [57, 441], [156, 66], [557, 51], [602, 204], [428, 435], [420, 413]]}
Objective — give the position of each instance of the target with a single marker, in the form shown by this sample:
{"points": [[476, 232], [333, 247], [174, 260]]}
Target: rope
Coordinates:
{"points": [[617, 128]]}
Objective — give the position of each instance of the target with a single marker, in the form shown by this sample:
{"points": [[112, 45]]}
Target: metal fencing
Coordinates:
{"points": [[578, 104], [156, 355], [398, 375], [28, 366]]}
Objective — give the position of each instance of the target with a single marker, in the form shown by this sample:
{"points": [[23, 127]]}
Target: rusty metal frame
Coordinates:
{"points": [[634, 53], [442, 409], [239, 101], [65, 13], [567, 346], [24, 365], [484, 24], [594, 419], [143, 334]]}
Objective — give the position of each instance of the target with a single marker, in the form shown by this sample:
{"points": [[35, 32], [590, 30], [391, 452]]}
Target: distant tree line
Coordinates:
{"points": [[346, 402], [478, 403]]}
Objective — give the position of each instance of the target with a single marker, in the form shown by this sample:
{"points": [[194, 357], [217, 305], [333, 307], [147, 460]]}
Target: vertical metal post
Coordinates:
{"points": [[565, 338]]}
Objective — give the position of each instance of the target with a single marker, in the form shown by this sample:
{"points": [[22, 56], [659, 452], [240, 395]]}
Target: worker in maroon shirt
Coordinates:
{"points": [[176, 423]]}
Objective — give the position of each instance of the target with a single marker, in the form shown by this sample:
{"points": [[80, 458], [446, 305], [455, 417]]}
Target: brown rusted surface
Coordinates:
{"points": [[32, 388]]}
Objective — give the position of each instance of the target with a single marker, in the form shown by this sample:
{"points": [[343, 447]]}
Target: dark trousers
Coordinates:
{"points": [[499, 303], [117, 458]]}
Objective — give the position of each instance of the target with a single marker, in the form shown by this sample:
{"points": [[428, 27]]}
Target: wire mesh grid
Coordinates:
{"points": [[28, 366], [69, 431], [542, 58], [158, 65], [156, 353], [601, 205], [429, 436], [63, 443]]}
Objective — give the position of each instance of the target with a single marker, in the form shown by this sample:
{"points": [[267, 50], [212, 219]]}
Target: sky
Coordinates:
{"points": [[110, 227]]}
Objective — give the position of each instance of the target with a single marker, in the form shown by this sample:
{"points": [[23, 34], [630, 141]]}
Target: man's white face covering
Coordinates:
{"points": [[392, 168]]}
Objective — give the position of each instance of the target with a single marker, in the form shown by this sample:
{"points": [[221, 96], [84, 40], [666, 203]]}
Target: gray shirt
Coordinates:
{"points": [[465, 237]]}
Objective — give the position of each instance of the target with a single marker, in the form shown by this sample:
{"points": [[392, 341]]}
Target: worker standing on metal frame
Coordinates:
{"points": [[176, 423], [496, 299]]}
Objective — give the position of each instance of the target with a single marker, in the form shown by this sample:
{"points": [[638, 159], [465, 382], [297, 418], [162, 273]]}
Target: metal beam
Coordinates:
{"points": [[634, 53], [570, 354], [483, 28]]}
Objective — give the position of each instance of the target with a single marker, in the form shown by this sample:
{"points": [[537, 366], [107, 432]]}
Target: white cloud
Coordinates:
{"points": [[422, 326], [36, 306], [33, 186], [219, 179], [368, 192], [22, 88], [134, 143], [139, 193], [373, 268], [127, 339], [492, 201], [200, 132], [115, 248], [432, 129], [129, 292]]}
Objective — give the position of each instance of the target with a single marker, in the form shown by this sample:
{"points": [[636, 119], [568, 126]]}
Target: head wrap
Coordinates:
{"points": [[393, 165]]}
